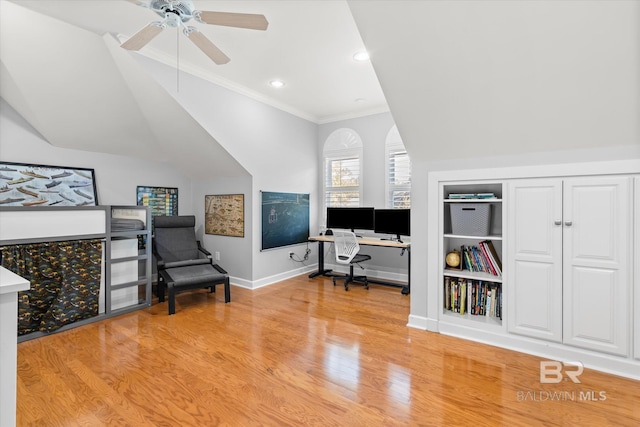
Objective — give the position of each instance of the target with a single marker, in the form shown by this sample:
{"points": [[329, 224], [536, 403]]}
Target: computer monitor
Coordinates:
{"points": [[350, 218], [393, 221]]}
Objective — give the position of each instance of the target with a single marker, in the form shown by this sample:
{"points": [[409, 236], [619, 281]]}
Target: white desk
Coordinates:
{"points": [[366, 241], [10, 285]]}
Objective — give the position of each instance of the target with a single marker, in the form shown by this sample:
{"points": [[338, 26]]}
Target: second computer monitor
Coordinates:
{"points": [[393, 221]]}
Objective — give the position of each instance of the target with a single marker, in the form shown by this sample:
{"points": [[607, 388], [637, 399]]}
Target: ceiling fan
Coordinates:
{"points": [[176, 12]]}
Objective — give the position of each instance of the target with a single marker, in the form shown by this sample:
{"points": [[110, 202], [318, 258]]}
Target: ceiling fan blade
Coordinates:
{"points": [[208, 47], [142, 37], [240, 20]]}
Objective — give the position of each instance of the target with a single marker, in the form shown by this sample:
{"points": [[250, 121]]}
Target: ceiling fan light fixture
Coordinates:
{"points": [[361, 56], [277, 83], [176, 13]]}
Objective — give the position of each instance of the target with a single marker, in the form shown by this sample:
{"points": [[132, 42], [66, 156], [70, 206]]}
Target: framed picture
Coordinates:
{"points": [[285, 219], [162, 200], [224, 215], [26, 184]]}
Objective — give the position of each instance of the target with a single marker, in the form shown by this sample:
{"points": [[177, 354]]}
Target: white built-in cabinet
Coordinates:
{"points": [[569, 239], [569, 261]]}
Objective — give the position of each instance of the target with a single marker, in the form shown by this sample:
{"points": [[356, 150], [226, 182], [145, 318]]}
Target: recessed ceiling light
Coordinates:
{"points": [[361, 56], [276, 83]]}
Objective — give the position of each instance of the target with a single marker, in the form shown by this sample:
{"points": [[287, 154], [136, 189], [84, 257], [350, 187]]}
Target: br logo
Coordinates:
{"points": [[552, 372]]}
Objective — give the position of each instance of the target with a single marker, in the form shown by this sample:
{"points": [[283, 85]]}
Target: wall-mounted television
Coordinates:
{"points": [[360, 218], [393, 221]]}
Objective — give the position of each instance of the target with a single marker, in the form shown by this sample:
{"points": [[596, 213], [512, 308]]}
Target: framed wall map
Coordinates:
{"points": [[224, 215]]}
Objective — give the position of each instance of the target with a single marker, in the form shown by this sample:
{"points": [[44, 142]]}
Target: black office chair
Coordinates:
{"points": [[182, 262], [347, 251]]}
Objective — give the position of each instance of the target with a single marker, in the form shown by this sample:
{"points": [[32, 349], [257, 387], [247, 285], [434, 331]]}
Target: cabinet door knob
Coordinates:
{"points": [[557, 222], [568, 223]]}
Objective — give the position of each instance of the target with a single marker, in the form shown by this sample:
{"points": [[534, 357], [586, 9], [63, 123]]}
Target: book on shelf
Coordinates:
{"points": [[475, 297], [494, 254], [483, 259], [458, 196], [485, 195], [447, 293]]}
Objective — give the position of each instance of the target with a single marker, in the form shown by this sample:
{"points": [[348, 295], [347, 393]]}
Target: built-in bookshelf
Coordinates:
{"points": [[472, 288], [544, 221]]}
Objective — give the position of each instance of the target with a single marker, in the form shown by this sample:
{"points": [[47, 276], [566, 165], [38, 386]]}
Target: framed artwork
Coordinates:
{"points": [[285, 219], [224, 215], [26, 184], [162, 200]]}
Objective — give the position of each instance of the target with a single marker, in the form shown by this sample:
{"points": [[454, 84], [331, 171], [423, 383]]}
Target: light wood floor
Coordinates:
{"points": [[298, 353]]}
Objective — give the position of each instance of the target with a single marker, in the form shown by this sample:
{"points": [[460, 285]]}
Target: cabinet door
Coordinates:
{"points": [[596, 279], [636, 265], [535, 259]]}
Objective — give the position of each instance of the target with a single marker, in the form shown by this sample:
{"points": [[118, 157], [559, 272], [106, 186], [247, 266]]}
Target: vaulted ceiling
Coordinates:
{"points": [[63, 70], [463, 79], [308, 44]]}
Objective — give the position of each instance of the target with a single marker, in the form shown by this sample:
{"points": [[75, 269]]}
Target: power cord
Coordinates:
{"points": [[294, 257]]}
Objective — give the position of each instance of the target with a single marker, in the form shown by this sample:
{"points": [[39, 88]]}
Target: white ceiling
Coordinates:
{"points": [[309, 45]]}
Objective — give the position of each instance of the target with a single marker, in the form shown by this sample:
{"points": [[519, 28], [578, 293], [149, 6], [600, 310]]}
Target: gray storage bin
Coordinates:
{"points": [[471, 219]]}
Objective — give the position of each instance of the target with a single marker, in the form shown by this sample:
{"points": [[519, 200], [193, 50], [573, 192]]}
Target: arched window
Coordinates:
{"points": [[398, 172], [342, 156]]}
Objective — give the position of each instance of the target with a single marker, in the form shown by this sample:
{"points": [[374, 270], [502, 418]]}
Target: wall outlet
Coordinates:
{"points": [[291, 254], [217, 256]]}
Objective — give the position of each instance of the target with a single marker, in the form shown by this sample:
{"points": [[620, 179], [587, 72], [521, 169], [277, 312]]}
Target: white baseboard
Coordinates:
{"points": [[266, 281], [418, 322], [624, 367]]}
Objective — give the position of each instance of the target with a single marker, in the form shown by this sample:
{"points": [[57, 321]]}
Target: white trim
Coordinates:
{"points": [[343, 143], [559, 170], [266, 281], [599, 361], [418, 322]]}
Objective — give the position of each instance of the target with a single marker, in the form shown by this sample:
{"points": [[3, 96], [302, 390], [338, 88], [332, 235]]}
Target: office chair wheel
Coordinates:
{"points": [[346, 286], [334, 281]]}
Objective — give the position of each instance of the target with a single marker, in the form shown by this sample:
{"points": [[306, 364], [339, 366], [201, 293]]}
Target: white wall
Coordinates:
{"points": [[116, 176], [373, 130], [480, 84], [235, 252], [484, 78], [277, 148]]}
